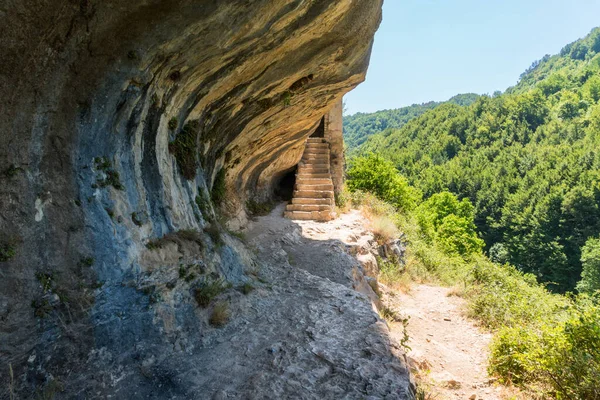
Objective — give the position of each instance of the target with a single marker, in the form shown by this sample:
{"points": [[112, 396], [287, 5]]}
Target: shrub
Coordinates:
{"points": [[7, 251], [457, 236], [220, 315], [247, 288], [111, 178], [214, 232], [173, 122], [503, 296], [560, 356], [207, 291], [259, 208], [185, 149], [217, 193], [374, 174]]}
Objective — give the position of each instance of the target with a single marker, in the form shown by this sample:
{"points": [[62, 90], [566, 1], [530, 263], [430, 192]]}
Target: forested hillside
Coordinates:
{"points": [[358, 127], [528, 160]]}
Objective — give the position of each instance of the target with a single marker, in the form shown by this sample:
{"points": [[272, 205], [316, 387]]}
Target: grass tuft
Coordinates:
{"points": [[220, 315], [208, 290]]}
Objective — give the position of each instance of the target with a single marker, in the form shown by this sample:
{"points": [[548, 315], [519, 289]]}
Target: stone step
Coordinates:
{"points": [[316, 164], [316, 151], [314, 181], [309, 207], [310, 215], [312, 175], [315, 160], [314, 194], [303, 187], [316, 148], [316, 168], [316, 140], [309, 201]]}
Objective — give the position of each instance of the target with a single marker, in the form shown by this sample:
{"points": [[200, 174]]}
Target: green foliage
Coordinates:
{"points": [[450, 222], [217, 193], [214, 232], [247, 288], [260, 208], [526, 159], [375, 174], [590, 259], [526, 166], [185, 149], [358, 127], [560, 356], [8, 251], [111, 176], [173, 122], [207, 290]]}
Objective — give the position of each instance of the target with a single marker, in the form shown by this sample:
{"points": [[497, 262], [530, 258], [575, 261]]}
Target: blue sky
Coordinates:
{"points": [[433, 49]]}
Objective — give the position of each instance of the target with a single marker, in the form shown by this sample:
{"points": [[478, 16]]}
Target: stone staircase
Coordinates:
{"points": [[313, 194]]}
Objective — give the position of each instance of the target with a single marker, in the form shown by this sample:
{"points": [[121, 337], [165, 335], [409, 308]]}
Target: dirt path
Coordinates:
{"points": [[448, 349]]}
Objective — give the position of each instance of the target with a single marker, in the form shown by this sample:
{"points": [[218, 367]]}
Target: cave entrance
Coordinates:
{"points": [[320, 132], [284, 189]]}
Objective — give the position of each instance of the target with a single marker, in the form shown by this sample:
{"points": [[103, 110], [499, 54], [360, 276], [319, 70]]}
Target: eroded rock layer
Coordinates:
{"points": [[124, 124]]}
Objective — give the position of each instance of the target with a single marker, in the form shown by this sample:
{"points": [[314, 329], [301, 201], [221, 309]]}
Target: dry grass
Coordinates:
{"points": [[384, 229], [220, 315]]}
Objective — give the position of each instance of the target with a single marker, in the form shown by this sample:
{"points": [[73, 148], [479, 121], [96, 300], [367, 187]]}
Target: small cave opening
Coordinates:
{"points": [[320, 131], [284, 189]]}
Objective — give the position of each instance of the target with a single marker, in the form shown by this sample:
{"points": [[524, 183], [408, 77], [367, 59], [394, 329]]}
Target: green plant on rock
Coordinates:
{"points": [[7, 251], [207, 290], [286, 98], [259, 208], [86, 262], [185, 149], [217, 193], [247, 288], [173, 122], [111, 176], [214, 232]]}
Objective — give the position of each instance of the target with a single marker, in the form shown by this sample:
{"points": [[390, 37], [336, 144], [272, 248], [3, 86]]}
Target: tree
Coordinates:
{"points": [[590, 259]]}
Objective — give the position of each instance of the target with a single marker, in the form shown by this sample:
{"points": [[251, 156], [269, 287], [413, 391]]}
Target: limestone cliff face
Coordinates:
{"points": [[117, 119]]}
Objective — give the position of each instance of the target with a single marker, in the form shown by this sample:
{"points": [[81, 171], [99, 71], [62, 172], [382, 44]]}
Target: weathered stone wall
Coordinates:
{"points": [[334, 134], [93, 93]]}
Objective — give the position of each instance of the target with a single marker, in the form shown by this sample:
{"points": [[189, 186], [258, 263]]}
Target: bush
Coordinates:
{"points": [[260, 208], [559, 357], [450, 222], [217, 193], [207, 291], [374, 174], [7, 251], [185, 149], [503, 296]]}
